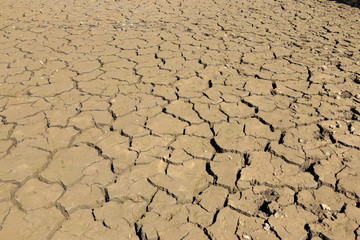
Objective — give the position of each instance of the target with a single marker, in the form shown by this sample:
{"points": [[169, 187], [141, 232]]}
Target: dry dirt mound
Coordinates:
{"points": [[165, 119]]}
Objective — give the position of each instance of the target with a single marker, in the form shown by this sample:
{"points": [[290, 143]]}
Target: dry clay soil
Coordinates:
{"points": [[165, 119]]}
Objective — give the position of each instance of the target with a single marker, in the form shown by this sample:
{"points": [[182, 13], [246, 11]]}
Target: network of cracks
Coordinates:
{"points": [[222, 119]]}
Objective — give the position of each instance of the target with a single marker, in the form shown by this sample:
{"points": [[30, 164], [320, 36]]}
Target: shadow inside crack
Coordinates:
{"points": [[352, 3]]}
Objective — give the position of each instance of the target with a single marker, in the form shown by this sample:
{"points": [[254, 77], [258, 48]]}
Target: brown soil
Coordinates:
{"points": [[168, 119]]}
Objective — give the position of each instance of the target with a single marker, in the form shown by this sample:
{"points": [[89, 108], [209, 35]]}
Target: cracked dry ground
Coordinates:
{"points": [[157, 119]]}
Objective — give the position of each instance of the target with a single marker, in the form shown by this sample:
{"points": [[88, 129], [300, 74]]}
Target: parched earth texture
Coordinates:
{"points": [[165, 119]]}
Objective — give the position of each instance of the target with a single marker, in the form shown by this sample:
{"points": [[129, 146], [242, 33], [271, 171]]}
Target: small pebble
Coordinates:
{"points": [[325, 207], [266, 227], [245, 236], [279, 215]]}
